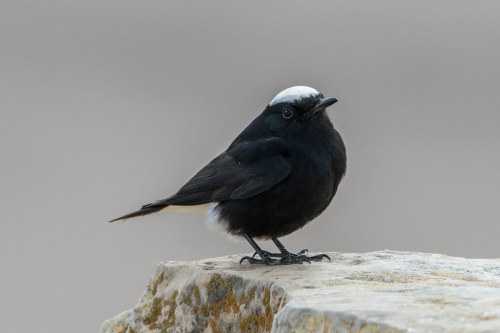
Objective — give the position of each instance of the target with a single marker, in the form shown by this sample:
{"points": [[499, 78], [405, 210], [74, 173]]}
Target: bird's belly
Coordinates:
{"points": [[279, 211]]}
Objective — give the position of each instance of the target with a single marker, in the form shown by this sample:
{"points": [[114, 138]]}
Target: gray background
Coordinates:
{"points": [[107, 105]]}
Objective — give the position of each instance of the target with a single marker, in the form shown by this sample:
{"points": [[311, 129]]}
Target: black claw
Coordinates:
{"points": [[320, 257], [245, 258]]}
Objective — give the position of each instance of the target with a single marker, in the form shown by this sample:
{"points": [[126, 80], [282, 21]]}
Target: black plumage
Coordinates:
{"points": [[280, 173]]}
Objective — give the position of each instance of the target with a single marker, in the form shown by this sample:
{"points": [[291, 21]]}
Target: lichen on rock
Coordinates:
{"points": [[374, 292], [197, 299]]}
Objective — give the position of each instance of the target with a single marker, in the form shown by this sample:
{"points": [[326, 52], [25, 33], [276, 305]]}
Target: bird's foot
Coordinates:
{"points": [[285, 258], [279, 255], [265, 259], [290, 258]]}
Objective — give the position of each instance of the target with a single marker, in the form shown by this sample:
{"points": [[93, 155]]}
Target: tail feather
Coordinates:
{"points": [[145, 210]]}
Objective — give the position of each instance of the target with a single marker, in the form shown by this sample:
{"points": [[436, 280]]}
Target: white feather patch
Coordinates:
{"points": [[294, 94], [215, 224]]}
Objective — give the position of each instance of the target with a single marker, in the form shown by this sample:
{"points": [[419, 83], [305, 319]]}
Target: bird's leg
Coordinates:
{"points": [[283, 250], [288, 257], [265, 257]]}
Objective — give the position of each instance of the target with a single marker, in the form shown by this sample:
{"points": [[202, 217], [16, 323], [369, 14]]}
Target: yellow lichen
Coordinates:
{"points": [[150, 313], [213, 326], [370, 328], [196, 293], [186, 299], [228, 302], [213, 310], [119, 328], [245, 300], [159, 313], [267, 297], [214, 282], [231, 304], [203, 310], [170, 318], [251, 323], [157, 281]]}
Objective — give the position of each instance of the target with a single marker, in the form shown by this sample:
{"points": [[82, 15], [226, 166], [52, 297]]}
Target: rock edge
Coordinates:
{"points": [[383, 291]]}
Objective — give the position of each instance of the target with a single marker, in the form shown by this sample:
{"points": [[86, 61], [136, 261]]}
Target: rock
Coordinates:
{"points": [[381, 291]]}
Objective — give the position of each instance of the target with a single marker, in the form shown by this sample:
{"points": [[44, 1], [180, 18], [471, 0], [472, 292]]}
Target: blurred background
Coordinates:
{"points": [[108, 105]]}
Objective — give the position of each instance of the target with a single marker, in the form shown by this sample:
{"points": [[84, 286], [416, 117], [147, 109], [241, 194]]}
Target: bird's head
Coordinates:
{"points": [[295, 108]]}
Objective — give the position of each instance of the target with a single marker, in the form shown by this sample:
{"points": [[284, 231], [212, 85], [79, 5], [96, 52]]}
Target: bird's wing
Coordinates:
{"points": [[244, 170]]}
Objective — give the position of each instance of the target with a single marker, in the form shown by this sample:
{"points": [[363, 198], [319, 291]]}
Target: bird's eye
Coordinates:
{"points": [[287, 113]]}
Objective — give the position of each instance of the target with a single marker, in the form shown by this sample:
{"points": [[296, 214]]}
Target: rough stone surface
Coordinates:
{"points": [[381, 291]]}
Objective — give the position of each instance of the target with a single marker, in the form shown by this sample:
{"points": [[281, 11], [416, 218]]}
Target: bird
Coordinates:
{"points": [[280, 173]]}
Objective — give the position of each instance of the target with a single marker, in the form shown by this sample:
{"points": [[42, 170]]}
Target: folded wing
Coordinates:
{"points": [[243, 171]]}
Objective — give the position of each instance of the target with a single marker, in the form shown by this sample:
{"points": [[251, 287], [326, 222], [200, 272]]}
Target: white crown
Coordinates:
{"points": [[294, 94]]}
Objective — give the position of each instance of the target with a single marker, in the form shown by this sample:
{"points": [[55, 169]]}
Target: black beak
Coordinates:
{"points": [[324, 103]]}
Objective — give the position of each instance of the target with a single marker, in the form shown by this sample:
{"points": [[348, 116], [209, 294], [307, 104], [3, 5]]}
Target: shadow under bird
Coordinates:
{"points": [[280, 173]]}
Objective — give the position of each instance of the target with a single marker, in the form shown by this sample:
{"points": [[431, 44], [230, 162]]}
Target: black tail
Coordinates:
{"points": [[145, 210]]}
